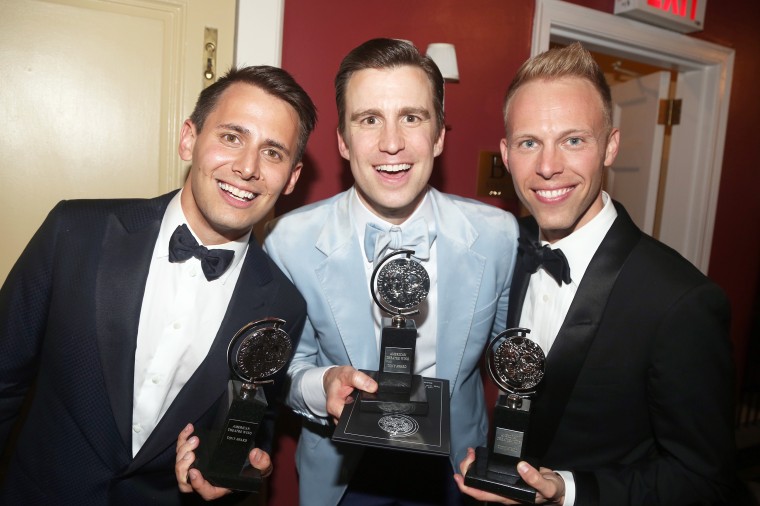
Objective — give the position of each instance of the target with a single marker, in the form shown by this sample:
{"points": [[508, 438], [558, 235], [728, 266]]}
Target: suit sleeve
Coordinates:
{"points": [[24, 301], [305, 356], [690, 387]]}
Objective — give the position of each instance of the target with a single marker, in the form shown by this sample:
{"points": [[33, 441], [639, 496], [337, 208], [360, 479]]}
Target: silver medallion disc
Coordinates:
{"points": [[516, 364], [403, 283], [262, 352]]}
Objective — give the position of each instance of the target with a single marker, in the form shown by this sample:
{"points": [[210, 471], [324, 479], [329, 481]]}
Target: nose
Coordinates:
{"points": [[247, 165], [391, 138], [549, 162]]}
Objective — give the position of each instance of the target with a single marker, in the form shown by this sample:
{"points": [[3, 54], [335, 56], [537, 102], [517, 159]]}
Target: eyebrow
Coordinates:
{"points": [[405, 111], [247, 133]]}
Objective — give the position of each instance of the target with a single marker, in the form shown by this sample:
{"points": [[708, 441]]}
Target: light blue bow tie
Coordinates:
{"points": [[415, 236]]}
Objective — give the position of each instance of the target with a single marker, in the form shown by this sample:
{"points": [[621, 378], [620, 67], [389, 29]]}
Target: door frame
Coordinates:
{"points": [[705, 73]]}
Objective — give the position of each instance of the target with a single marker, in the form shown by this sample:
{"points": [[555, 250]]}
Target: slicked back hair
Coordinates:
{"points": [[381, 54], [272, 80], [561, 62]]}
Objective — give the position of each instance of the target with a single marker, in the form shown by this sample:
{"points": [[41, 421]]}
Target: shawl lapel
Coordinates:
{"points": [[577, 333]]}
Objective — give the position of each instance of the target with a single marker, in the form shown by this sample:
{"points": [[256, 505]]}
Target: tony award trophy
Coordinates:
{"points": [[256, 352], [398, 286], [407, 412], [516, 365]]}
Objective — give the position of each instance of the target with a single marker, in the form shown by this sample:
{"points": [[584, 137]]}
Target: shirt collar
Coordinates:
{"points": [[175, 217], [580, 246]]}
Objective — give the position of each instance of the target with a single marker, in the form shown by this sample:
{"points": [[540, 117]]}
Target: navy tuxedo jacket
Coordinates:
{"points": [[637, 399], [69, 312]]}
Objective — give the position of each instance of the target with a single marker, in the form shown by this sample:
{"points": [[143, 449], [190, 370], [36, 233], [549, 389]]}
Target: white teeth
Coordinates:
{"points": [[393, 168], [236, 192], [551, 194]]}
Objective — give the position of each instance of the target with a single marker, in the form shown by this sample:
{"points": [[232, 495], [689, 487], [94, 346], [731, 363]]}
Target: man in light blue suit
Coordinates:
{"points": [[391, 128]]}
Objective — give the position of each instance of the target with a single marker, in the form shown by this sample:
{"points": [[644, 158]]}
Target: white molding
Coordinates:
{"points": [[709, 69], [259, 32]]}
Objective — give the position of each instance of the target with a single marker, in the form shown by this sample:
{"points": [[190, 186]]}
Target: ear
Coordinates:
{"points": [[187, 141], [438, 146], [295, 173], [504, 153], [613, 143], [343, 146]]}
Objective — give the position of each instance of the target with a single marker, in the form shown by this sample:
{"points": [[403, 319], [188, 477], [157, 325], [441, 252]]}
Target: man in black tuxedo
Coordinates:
{"points": [[637, 400], [121, 320]]}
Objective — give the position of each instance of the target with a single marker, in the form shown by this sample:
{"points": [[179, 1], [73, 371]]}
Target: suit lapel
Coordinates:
{"points": [[342, 277], [457, 293], [520, 278], [248, 303], [568, 353], [127, 248]]}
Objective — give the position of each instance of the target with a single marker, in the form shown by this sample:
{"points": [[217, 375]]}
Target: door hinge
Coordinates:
{"points": [[670, 112]]}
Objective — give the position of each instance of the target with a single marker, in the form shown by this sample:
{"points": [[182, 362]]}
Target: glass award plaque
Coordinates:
{"points": [[255, 353], [516, 364]]}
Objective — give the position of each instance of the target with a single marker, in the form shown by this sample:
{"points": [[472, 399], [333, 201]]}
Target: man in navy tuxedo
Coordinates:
{"points": [[636, 406], [119, 312]]}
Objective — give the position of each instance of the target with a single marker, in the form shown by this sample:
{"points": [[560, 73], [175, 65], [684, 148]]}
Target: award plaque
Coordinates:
{"points": [[256, 352], [516, 365], [399, 285]]}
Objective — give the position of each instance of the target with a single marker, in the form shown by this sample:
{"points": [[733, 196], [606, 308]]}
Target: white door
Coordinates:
{"points": [[92, 97], [634, 178]]}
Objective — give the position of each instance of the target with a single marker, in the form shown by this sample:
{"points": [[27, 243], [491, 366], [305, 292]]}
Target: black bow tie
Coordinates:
{"points": [[183, 245], [552, 260]]}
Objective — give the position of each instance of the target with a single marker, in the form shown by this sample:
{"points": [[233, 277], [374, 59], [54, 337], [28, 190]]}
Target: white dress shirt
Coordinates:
{"points": [[179, 319], [546, 302], [312, 384]]}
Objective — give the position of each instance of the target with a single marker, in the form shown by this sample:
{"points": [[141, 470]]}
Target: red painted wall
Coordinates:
{"points": [[492, 38]]}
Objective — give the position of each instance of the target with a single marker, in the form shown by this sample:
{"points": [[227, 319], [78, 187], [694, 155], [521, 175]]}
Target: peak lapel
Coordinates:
{"points": [[127, 248], [248, 303]]}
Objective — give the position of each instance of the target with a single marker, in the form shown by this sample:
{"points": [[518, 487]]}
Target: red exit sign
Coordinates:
{"points": [[680, 15]]}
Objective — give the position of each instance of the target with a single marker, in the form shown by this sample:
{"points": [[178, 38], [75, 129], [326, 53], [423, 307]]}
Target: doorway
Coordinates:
{"points": [[704, 70]]}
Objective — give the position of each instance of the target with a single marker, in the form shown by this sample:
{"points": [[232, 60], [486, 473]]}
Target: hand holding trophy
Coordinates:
{"points": [[256, 352], [516, 364]]}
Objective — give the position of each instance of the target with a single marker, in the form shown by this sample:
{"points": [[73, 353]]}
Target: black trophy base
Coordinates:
{"points": [[222, 455], [409, 401], [245, 478], [500, 479]]}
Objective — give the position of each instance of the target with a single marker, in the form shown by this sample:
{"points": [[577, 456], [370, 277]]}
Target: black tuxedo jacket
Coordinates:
{"points": [[637, 399], [69, 312]]}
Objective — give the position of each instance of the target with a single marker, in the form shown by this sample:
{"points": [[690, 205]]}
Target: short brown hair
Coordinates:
{"points": [[384, 54], [556, 63], [272, 80]]}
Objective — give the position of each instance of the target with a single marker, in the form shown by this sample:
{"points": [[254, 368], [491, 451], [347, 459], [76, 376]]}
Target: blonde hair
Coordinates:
{"points": [[556, 63]]}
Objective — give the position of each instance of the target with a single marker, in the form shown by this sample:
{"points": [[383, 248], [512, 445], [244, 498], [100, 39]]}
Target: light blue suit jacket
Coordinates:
{"points": [[317, 248]]}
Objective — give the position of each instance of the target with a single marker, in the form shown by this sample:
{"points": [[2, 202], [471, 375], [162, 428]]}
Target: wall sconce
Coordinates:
{"points": [[445, 57]]}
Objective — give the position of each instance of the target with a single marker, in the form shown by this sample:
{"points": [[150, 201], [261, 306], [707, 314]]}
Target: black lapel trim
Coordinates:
{"points": [[520, 278], [568, 353]]}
